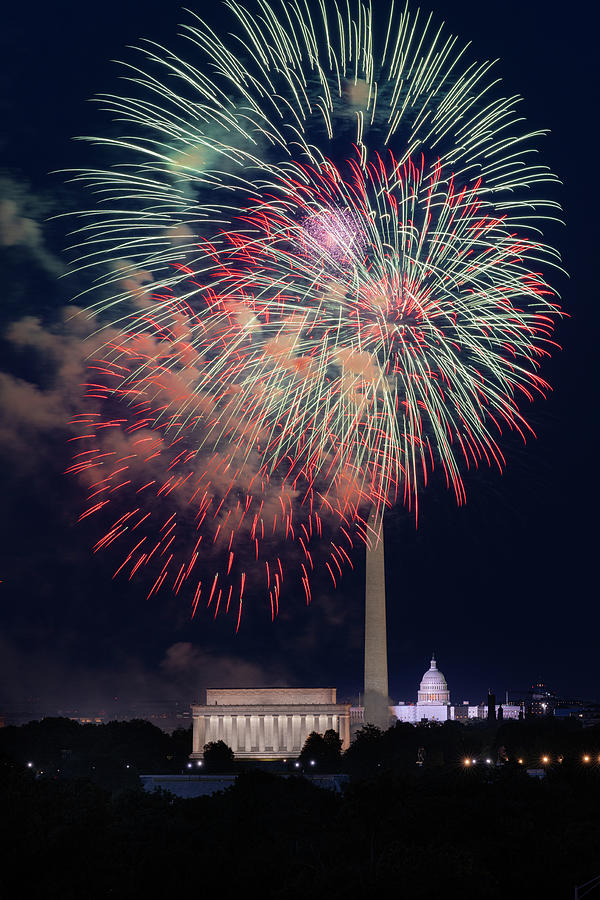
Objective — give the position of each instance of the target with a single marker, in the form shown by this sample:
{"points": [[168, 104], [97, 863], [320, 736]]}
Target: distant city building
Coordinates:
{"points": [[541, 701], [268, 723]]}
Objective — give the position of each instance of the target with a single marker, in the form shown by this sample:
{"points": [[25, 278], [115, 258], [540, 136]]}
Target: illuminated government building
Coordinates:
{"points": [[433, 703]]}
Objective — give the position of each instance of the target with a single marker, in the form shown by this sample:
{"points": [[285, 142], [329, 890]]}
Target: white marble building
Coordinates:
{"points": [[267, 723], [433, 700], [433, 703]]}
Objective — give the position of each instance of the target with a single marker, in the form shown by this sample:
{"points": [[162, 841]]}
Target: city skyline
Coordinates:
{"points": [[169, 712]]}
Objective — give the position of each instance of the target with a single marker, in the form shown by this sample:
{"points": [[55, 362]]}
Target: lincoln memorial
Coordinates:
{"points": [[268, 723]]}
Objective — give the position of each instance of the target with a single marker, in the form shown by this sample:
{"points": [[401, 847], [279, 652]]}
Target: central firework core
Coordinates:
{"points": [[335, 234]]}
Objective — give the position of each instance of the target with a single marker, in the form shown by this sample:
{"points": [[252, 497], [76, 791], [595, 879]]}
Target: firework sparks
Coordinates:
{"points": [[332, 287]]}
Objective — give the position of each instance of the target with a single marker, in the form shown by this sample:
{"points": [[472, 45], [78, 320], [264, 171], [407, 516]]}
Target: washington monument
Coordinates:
{"points": [[376, 696]]}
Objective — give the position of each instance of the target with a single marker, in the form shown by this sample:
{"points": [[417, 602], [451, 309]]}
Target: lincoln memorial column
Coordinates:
{"points": [[268, 732], [199, 734], [281, 731]]}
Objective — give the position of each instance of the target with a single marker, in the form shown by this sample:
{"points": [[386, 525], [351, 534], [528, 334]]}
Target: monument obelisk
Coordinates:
{"points": [[376, 698]]}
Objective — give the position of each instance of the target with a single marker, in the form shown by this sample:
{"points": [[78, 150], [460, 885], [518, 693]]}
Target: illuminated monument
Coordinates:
{"points": [[376, 692], [267, 723]]}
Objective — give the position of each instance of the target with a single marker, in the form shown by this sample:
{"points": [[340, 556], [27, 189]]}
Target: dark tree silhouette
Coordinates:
{"points": [[322, 753], [333, 746], [218, 757], [313, 749]]}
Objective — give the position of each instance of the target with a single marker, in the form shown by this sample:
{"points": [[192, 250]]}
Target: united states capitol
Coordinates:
{"points": [[433, 703]]}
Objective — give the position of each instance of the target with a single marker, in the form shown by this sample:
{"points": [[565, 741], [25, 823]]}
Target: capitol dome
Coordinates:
{"points": [[433, 687]]}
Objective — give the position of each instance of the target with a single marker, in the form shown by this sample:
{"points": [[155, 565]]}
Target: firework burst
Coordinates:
{"points": [[322, 268]]}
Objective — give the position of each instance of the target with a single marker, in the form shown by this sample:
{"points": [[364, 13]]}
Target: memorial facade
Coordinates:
{"points": [[267, 723]]}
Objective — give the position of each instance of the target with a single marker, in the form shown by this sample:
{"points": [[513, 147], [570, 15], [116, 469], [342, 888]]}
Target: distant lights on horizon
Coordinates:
{"points": [[545, 760]]}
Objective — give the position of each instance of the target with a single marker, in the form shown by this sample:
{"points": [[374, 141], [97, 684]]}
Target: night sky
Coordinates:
{"points": [[502, 589]]}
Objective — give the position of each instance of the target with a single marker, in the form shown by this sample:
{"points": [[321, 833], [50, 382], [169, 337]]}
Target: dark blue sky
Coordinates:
{"points": [[503, 589]]}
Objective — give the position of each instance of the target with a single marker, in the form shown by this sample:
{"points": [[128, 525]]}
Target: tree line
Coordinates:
{"points": [[114, 754], [430, 834], [413, 819]]}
